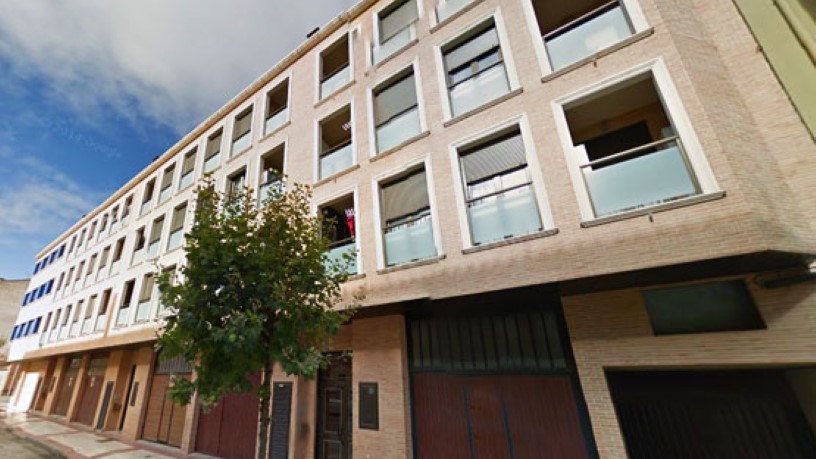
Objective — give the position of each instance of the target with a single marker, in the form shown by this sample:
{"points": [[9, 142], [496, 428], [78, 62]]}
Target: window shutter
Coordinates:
{"points": [[493, 158], [394, 99], [189, 163], [281, 415], [397, 18], [405, 196], [213, 145], [147, 288], [243, 123], [178, 219], [472, 48]]}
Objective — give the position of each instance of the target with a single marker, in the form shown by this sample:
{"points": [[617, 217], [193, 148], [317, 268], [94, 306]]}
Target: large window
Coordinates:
{"points": [[395, 28], [87, 321], [145, 297], [336, 147], [499, 194], [166, 189], [147, 197], [211, 155], [475, 70], [139, 246], [396, 110], [628, 151], [406, 219], [277, 107], [574, 30], [271, 179], [123, 316], [188, 168], [335, 68], [177, 227], [102, 316], [155, 237], [447, 8], [242, 131], [339, 219]]}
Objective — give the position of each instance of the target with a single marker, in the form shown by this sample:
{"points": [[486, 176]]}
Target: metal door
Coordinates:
{"points": [[334, 410]]}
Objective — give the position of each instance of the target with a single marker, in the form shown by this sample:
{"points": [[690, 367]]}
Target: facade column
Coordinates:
{"points": [[82, 377]]}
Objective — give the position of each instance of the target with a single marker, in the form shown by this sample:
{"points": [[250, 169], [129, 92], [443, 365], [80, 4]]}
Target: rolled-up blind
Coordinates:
{"points": [[396, 18], [394, 98], [178, 218], [470, 49], [213, 145], [147, 288], [405, 196], [243, 123], [155, 232], [492, 158], [189, 163]]}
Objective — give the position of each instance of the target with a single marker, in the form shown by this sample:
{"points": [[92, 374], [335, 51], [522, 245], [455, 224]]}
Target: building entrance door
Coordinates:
{"points": [[66, 388], [89, 396], [334, 410]]}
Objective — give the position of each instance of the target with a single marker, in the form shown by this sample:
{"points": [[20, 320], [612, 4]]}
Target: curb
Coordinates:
{"points": [[49, 450]]}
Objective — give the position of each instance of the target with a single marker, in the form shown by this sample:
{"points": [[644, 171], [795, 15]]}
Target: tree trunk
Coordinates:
{"points": [[263, 408]]}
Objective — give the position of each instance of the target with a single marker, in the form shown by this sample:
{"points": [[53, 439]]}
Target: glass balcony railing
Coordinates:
{"points": [[338, 254], [448, 8], [398, 129], [241, 143], [74, 329], [43, 338], [153, 249], [502, 215], [100, 322], [270, 188], [211, 163], [186, 180], [393, 44], [277, 120], [338, 160], [479, 89], [52, 336], [122, 317], [63, 332], [115, 267], [587, 35], [87, 325], [138, 256], [411, 241], [331, 84], [644, 176], [175, 239], [164, 195], [100, 273], [145, 207], [143, 311]]}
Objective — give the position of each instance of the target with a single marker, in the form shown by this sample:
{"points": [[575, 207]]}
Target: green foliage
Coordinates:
{"points": [[256, 288]]}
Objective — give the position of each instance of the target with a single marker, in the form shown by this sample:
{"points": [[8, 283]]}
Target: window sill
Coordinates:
{"points": [[275, 131], [484, 107], [396, 53], [411, 264], [331, 96], [699, 199], [510, 241], [336, 176], [401, 145], [594, 57], [455, 15]]}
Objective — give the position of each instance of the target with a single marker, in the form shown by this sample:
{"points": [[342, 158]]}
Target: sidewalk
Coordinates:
{"points": [[74, 441]]}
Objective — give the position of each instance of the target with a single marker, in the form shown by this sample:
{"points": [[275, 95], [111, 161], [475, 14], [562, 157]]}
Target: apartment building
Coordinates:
{"points": [[583, 229]]}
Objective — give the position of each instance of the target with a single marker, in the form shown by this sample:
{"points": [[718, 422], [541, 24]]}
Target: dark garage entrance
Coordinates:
{"points": [[753, 414], [494, 387]]}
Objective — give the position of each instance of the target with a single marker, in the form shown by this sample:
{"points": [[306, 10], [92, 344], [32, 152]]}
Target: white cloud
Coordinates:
{"points": [[171, 62]]}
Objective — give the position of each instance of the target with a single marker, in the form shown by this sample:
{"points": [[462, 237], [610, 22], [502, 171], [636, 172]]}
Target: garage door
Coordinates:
{"points": [[230, 429], [89, 397], [66, 388], [495, 387], [164, 419]]}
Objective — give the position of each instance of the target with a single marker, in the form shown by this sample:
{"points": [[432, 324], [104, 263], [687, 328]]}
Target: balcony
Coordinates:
{"points": [[504, 214], [276, 120], [648, 175], [342, 254], [479, 89], [335, 81], [393, 44], [143, 311], [122, 317], [409, 241], [337, 160], [153, 248], [242, 143], [398, 129]]}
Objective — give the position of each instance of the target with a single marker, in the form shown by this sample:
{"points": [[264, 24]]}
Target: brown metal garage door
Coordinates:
{"points": [[89, 396], [495, 387], [66, 387], [230, 429], [164, 419]]}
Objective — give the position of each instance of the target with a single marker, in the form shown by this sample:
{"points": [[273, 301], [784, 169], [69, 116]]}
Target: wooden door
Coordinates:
{"points": [[66, 388], [230, 429], [334, 410], [164, 420], [89, 396]]}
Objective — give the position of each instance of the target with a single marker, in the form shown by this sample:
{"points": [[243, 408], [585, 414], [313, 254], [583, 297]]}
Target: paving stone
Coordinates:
{"points": [[89, 444], [44, 428]]}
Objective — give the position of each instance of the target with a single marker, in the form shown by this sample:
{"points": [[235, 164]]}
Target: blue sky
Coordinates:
{"points": [[92, 91]]}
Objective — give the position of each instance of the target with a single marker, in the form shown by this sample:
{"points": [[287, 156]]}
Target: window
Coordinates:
{"points": [[103, 259], [91, 232], [475, 71], [160, 309], [147, 198], [336, 147], [406, 219], [573, 31], [138, 248], [699, 308], [396, 110], [75, 325], [340, 228], [70, 277], [242, 131], [79, 271], [395, 28], [167, 184], [114, 215], [499, 195], [87, 321], [65, 327], [124, 309], [81, 238], [177, 227], [117, 251], [235, 185], [61, 279], [188, 169], [625, 148], [271, 180], [126, 207], [91, 264], [335, 70], [447, 8], [103, 311], [155, 237], [277, 103], [103, 224], [146, 294], [211, 157], [73, 243]]}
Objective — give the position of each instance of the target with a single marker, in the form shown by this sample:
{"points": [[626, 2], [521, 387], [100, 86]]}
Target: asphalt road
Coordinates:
{"points": [[14, 447]]}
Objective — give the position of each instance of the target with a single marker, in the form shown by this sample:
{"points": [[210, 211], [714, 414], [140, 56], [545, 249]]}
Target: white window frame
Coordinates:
{"points": [[354, 192], [284, 77], [675, 111], [248, 106], [636, 18], [254, 180], [533, 166], [326, 44], [317, 142], [372, 128], [376, 182], [504, 45], [375, 30]]}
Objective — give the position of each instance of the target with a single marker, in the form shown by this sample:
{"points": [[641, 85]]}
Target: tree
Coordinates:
{"points": [[256, 289]]}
